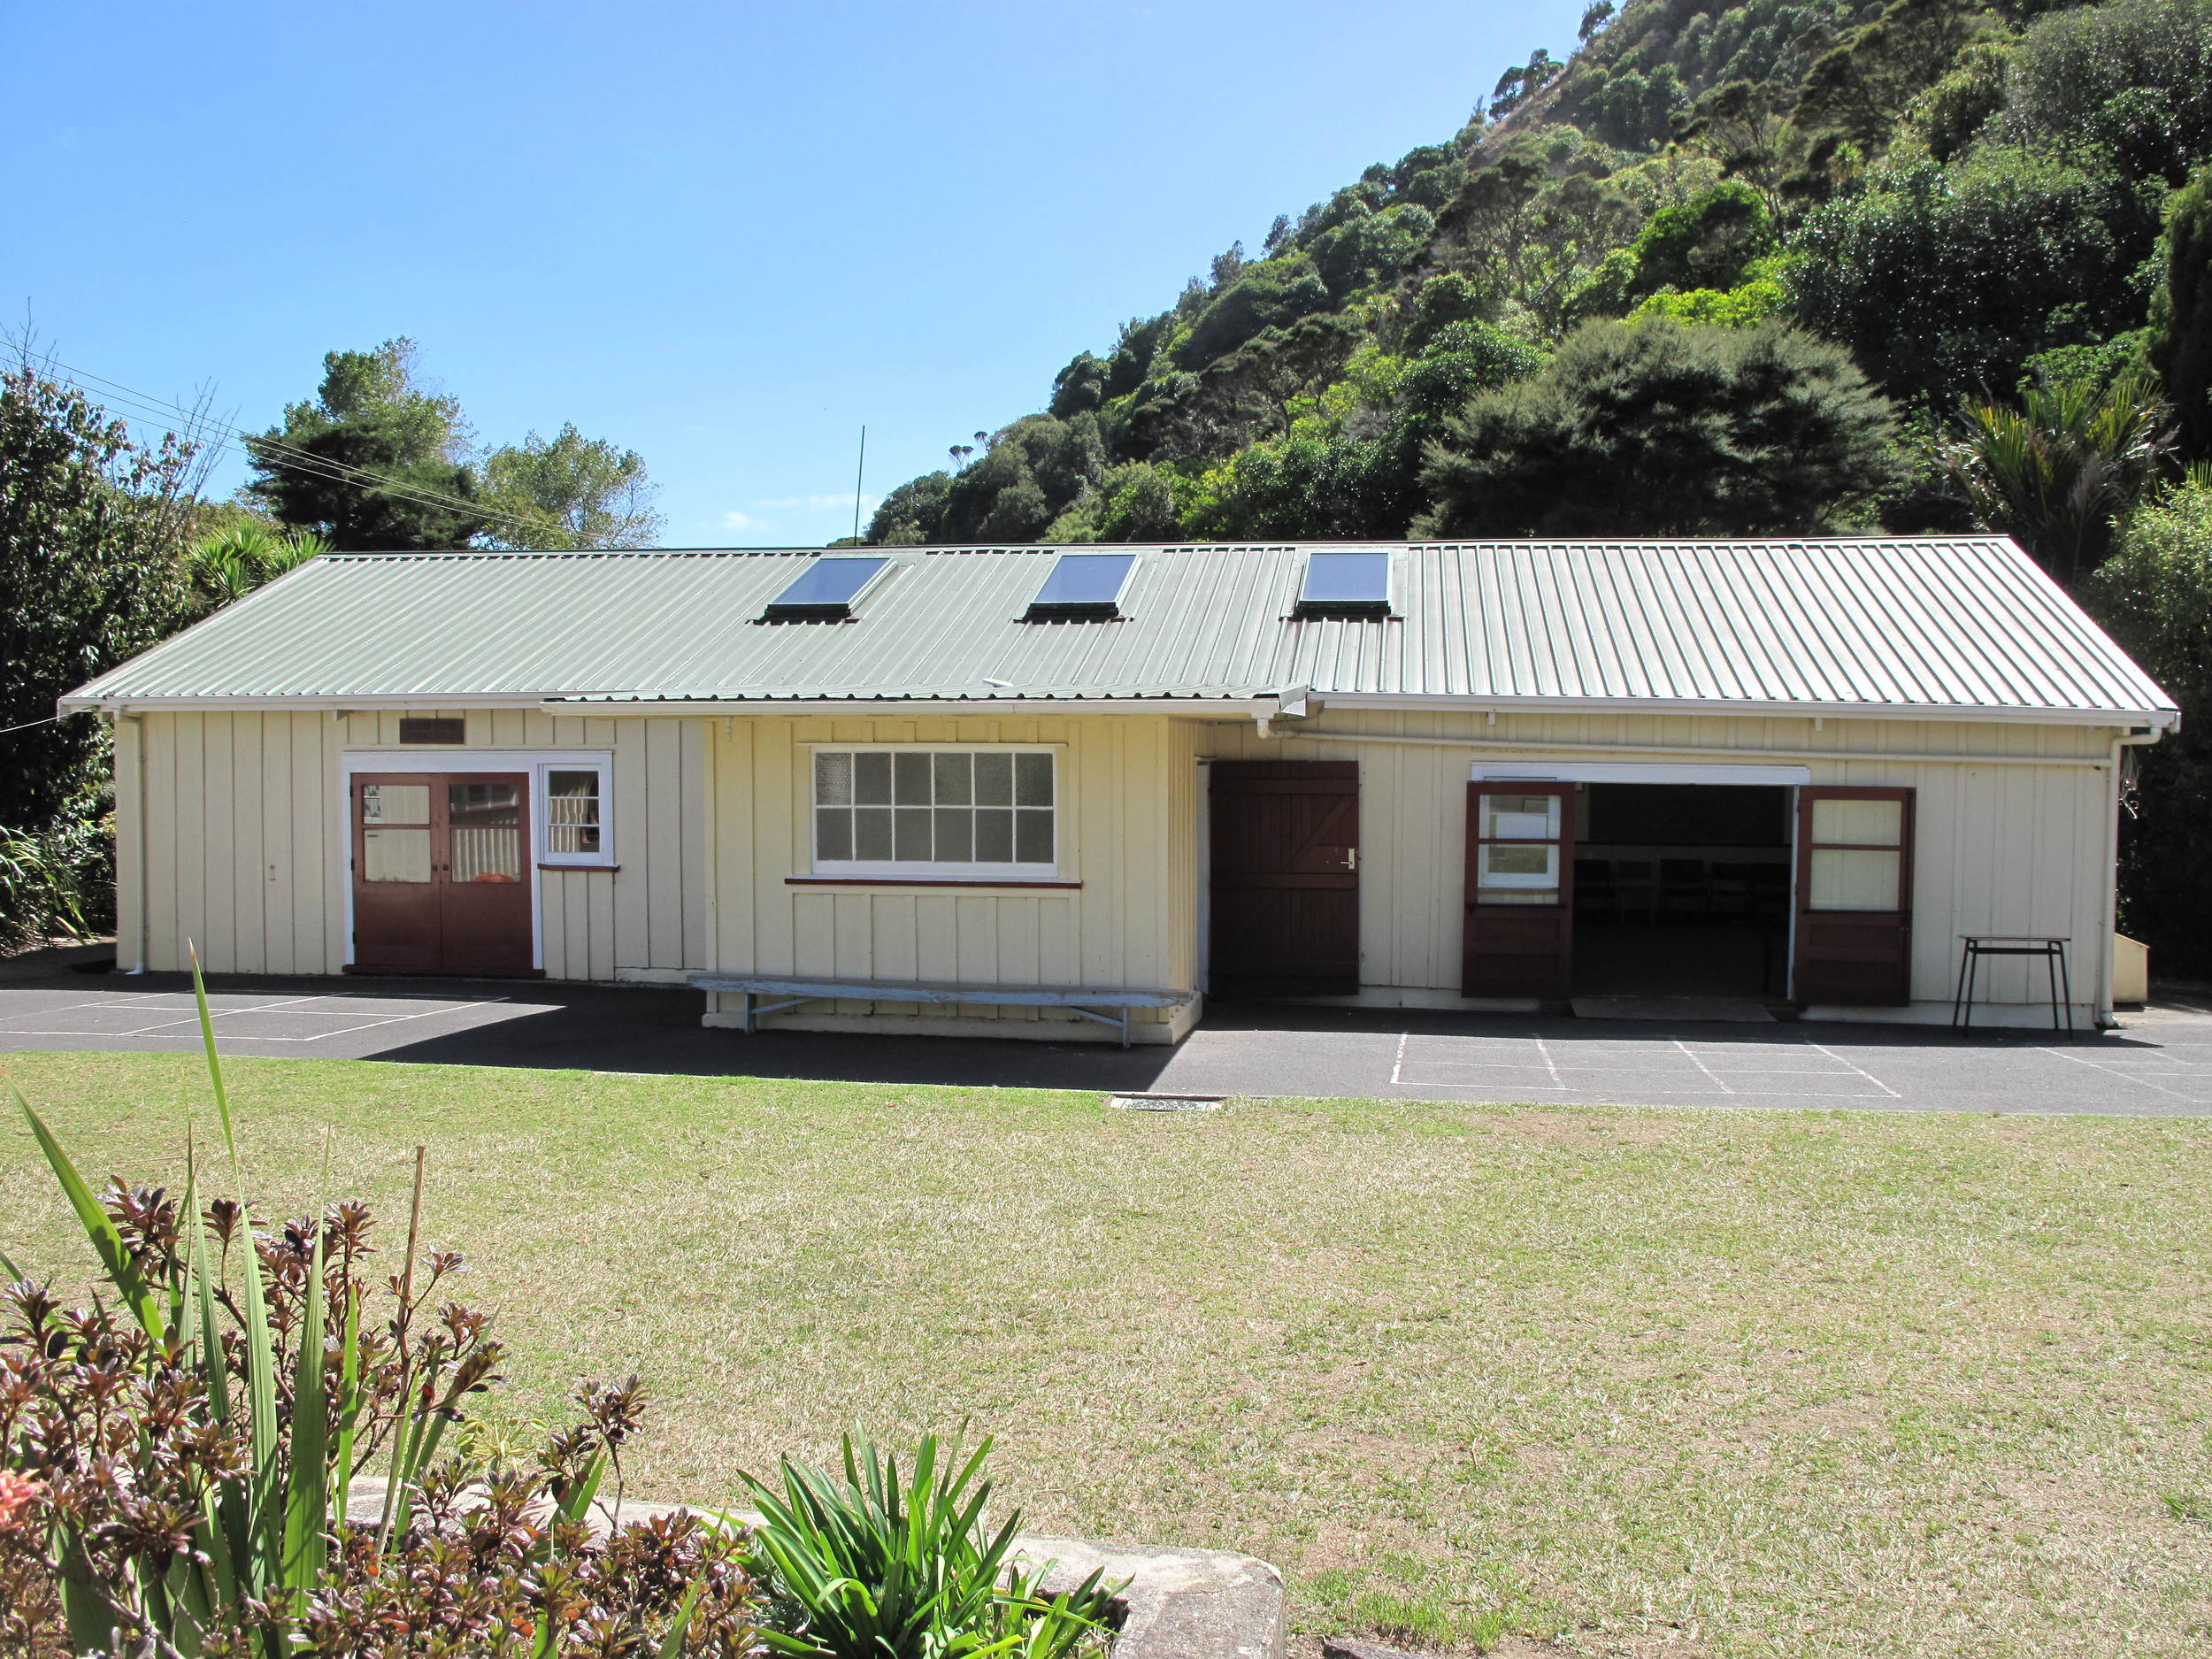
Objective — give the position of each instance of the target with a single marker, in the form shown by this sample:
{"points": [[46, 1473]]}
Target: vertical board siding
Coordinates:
{"points": [[2000, 849], [244, 840], [1119, 828], [237, 822], [130, 838]]}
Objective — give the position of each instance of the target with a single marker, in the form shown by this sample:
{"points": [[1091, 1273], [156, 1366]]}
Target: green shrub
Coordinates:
{"points": [[1657, 428], [872, 1566], [55, 883]]}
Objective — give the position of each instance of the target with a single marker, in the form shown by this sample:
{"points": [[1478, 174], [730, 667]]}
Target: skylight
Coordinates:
{"points": [[1345, 585], [825, 590], [1083, 587]]}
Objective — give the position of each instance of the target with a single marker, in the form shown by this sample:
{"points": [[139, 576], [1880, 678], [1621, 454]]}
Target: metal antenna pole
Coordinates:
{"points": [[859, 473]]}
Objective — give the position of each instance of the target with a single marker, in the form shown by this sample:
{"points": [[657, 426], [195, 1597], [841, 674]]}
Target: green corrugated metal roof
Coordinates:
{"points": [[1966, 623]]}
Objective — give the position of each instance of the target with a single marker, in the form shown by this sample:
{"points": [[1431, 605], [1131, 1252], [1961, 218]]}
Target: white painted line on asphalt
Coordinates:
{"points": [[1704, 1067], [2095, 1065], [1551, 1064], [1397, 1063], [1861, 1071], [161, 1030], [160, 1025], [397, 1019], [1514, 1091]]}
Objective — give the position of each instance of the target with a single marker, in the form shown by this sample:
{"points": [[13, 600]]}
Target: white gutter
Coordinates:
{"points": [[306, 700], [2159, 719], [1540, 746], [1231, 705]]}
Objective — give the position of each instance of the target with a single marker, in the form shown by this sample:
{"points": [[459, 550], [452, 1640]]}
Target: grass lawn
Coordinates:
{"points": [[1665, 1382]]}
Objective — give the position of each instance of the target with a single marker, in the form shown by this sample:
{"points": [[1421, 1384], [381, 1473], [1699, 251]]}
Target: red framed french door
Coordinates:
{"points": [[442, 873], [1854, 855], [1519, 937]]}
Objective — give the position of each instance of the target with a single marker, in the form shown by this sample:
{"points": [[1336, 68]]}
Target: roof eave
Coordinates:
{"points": [[2159, 718]]}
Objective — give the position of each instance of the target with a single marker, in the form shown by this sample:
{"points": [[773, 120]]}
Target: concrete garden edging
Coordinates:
{"points": [[1180, 1603]]}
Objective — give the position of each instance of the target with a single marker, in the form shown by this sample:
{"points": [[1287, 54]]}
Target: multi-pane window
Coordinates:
{"points": [[574, 813], [1516, 855], [960, 811]]}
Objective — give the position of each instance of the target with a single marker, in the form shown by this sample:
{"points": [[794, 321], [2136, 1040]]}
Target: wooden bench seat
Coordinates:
{"points": [[1086, 1001]]}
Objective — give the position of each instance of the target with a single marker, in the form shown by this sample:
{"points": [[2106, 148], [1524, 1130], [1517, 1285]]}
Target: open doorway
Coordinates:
{"points": [[1681, 889]]}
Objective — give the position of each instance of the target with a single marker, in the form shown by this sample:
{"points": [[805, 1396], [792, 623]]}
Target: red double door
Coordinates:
{"points": [[1852, 914], [441, 874]]}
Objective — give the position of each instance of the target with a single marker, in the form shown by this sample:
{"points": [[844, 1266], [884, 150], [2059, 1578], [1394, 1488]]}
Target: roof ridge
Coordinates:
{"points": [[1587, 544]]}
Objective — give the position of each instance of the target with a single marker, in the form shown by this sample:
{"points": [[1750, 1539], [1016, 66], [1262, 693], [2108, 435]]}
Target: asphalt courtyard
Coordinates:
{"points": [[2158, 1064]]}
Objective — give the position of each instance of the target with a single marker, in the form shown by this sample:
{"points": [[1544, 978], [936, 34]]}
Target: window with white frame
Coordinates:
{"points": [[961, 812], [573, 826]]}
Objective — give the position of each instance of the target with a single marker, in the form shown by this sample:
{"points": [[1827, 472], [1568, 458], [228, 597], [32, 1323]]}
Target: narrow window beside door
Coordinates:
{"points": [[575, 801]]}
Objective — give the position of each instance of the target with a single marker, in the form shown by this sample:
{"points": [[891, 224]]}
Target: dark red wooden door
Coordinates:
{"points": [[1854, 896], [1519, 929], [484, 881], [396, 874], [1285, 877], [441, 881]]}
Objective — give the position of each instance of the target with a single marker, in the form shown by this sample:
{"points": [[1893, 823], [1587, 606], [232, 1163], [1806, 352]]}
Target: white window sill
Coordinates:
{"points": [[927, 878]]}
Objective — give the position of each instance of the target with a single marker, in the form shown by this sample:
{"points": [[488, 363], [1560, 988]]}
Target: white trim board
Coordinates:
{"points": [[1638, 772]]}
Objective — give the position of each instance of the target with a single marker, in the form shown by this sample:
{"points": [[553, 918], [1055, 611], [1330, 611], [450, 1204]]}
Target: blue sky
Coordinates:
{"points": [[723, 235]]}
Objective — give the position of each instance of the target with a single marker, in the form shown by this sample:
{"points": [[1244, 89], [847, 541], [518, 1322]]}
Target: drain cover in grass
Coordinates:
{"points": [[1167, 1103]]}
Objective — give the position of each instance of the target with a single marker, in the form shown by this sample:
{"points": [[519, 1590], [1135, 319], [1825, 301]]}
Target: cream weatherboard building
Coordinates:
{"points": [[1436, 775]]}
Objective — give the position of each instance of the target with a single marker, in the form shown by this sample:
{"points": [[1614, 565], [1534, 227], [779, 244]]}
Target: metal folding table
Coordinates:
{"points": [[2053, 950]]}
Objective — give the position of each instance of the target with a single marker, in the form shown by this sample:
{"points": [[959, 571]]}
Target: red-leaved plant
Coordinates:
{"points": [[176, 1464]]}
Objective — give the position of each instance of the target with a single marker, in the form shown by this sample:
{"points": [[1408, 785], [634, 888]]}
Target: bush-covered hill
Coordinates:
{"points": [[1780, 240]]}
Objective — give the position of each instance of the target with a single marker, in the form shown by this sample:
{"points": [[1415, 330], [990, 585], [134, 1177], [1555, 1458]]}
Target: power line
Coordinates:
{"points": [[238, 442], [323, 467]]}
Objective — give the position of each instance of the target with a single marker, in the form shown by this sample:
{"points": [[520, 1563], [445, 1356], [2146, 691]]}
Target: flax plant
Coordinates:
{"points": [[179, 1461], [876, 1567]]}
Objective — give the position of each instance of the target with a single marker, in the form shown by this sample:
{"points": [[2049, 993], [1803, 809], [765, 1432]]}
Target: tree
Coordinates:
{"points": [[2132, 79], [1944, 280], [92, 528], [1655, 427], [1862, 87], [1704, 244], [1744, 125], [225, 565], [2155, 593], [1248, 394], [571, 492], [377, 462], [2181, 313], [1527, 237], [912, 515], [2052, 473], [1133, 502], [1272, 293]]}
